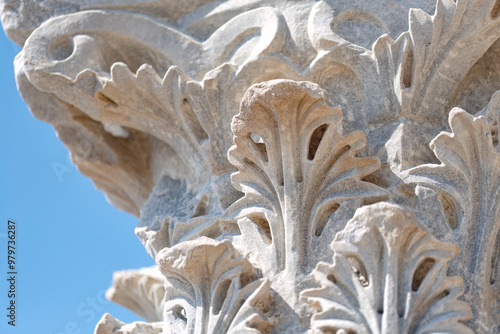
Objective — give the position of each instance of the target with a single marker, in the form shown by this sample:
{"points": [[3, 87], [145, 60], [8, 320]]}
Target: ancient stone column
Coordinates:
{"points": [[297, 166]]}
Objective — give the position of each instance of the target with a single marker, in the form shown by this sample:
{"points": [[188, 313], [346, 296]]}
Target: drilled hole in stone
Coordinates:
{"points": [[264, 227], [494, 134], [358, 270], [256, 138], [179, 313], [438, 297], [339, 154], [192, 120], [108, 103], [220, 296], [259, 144], [450, 210], [421, 272], [61, 48], [324, 218], [315, 141], [408, 69]]}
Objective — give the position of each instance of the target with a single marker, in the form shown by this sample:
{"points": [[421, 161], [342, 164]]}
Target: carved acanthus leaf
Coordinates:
{"points": [[115, 164], [74, 67], [83, 60], [175, 213], [406, 74], [143, 92], [468, 184], [194, 119], [212, 289], [141, 291], [157, 106], [295, 167], [388, 276], [413, 79], [426, 64]]}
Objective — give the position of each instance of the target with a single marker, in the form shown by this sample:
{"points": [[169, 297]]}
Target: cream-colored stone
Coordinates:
{"points": [[388, 276], [141, 291], [212, 289], [245, 134], [468, 184]]}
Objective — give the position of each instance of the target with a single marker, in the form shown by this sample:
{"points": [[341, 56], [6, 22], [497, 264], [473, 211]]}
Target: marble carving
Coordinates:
{"points": [[297, 166]]}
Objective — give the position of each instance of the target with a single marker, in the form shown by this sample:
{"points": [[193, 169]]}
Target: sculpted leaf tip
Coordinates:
{"points": [[388, 276], [212, 289], [295, 166], [468, 186]]}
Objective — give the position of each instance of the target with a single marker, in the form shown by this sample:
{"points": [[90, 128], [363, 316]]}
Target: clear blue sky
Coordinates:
{"points": [[70, 240]]}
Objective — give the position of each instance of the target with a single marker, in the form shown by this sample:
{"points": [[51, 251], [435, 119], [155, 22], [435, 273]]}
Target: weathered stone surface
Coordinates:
{"points": [[468, 186], [141, 291], [296, 170], [246, 134], [212, 289], [388, 276]]}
